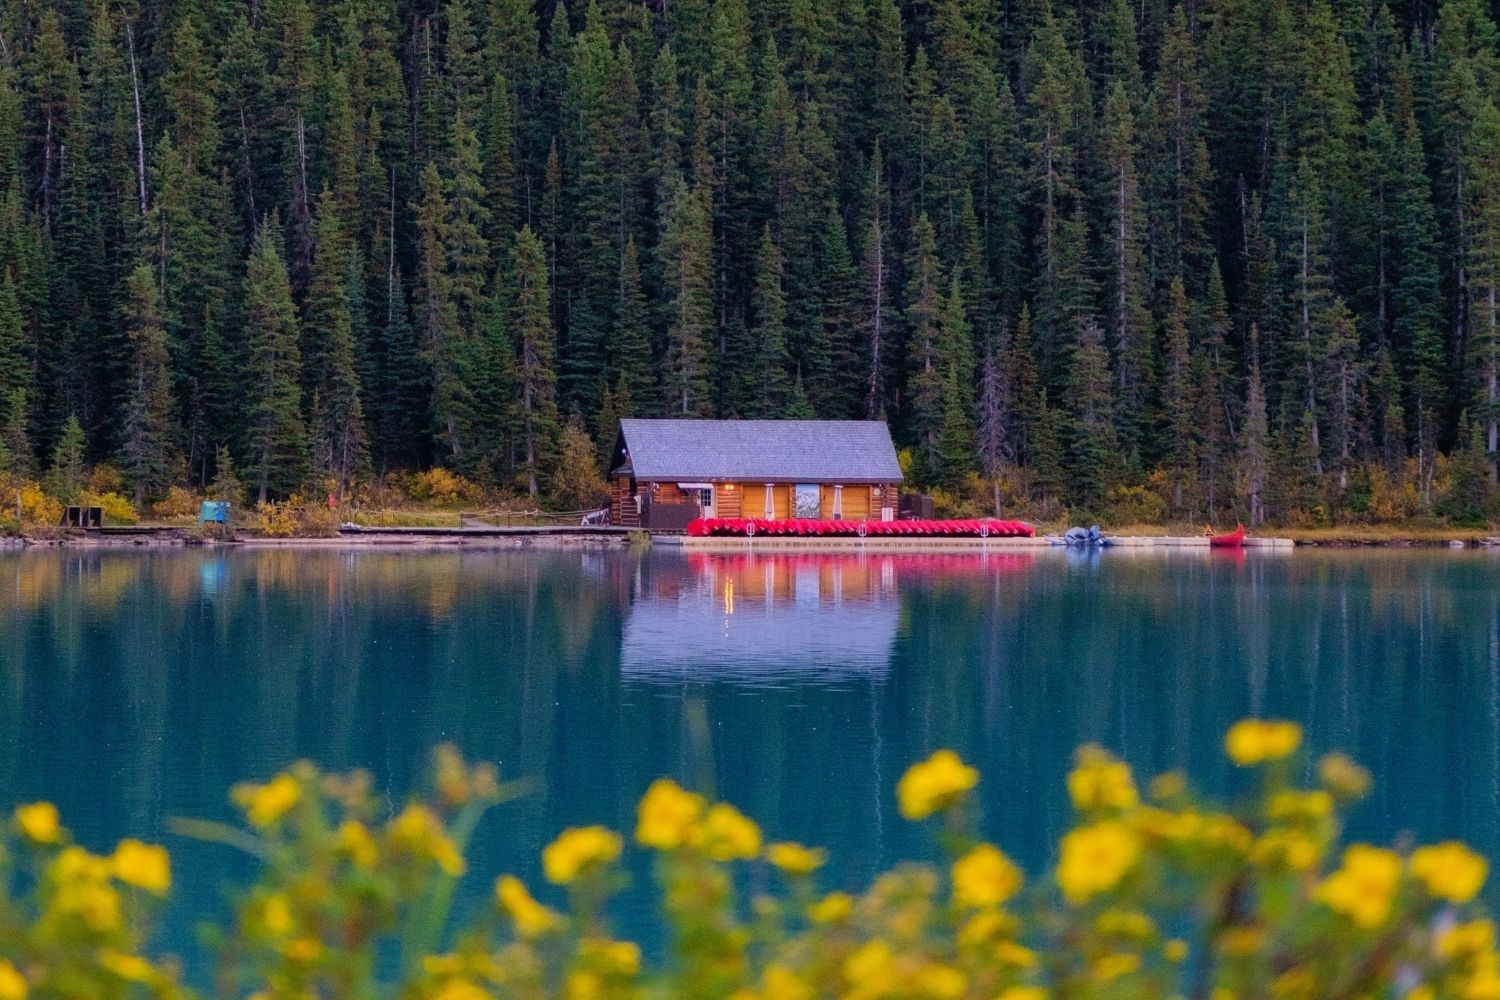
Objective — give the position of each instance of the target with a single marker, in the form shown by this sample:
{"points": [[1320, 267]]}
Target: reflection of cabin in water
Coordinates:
{"points": [[763, 619], [667, 472]]}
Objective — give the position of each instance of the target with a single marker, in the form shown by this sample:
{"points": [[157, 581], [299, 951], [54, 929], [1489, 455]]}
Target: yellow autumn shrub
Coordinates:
{"points": [[1154, 892]]}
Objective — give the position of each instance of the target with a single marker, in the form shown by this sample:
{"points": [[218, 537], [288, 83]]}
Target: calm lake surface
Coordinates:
{"points": [[137, 686]]}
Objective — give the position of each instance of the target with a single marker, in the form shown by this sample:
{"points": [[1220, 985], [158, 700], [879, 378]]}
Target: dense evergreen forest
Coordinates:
{"points": [[1216, 258]]}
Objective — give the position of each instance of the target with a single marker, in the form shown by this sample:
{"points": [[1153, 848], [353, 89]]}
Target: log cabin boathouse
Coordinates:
{"points": [[665, 473]]}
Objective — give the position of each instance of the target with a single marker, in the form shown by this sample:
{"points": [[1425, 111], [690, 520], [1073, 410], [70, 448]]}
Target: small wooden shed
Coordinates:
{"points": [[828, 469]]}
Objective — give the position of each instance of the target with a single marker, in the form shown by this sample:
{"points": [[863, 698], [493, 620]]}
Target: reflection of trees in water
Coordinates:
{"points": [[142, 684]]}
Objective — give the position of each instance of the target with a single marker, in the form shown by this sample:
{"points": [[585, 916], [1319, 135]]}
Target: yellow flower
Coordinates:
{"points": [[984, 877], [1114, 965], [131, 968], [621, 958], [1292, 806], [460, 989], [726, 834], [940, 982], [1450, 871], [1472, 938], [794, 859], [1175, 951], [832, 909], [531, 918], [276, 915], [1241, 941], [1254, 741], [577, 850], [1363, 888], [145, 866], [1022, 993], [780, 983], [871, 963], [1343, 777], [39, 823], [666, 815], [935, 784], [581, 985], [1095, 858], [356, 842], [13, 985], [1100, 781], [265, 804], [418, 830], [1017, 955]]}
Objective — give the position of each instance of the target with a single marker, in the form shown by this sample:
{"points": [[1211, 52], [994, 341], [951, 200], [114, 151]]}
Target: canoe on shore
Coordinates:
{"points": [[1232, 540]]}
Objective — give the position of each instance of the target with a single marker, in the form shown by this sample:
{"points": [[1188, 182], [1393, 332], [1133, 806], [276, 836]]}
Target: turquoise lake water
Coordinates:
{"points": [[137, 686]]}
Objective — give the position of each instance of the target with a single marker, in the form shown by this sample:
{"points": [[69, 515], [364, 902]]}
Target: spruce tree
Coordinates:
{"points": [[65, 474], [767, 387], [276, 438], [687, 271], [531, 318], [148, 446], [340, 450]]}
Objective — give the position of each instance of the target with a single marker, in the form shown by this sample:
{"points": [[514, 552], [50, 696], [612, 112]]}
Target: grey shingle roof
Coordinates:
{"points": [[804, 451]]}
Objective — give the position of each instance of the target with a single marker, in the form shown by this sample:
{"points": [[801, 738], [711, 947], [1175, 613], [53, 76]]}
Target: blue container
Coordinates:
{"points": [[214, 512]]}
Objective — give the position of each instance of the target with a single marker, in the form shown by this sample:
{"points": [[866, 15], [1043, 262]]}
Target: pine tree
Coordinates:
{"points": [[65, 475], [276, 438], [926, 383], [996, 449], [1129, 320], [1094, 448], [1484, 264], [1178, 396], [340, 449], [1255, 439], [768, 385], [148, 447], [687, 255], [531, 316], [878, 298], [633, 359], [15, 435]]}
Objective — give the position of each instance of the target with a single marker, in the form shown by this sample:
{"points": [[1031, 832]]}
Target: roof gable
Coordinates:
{"points": [[804, 451]]}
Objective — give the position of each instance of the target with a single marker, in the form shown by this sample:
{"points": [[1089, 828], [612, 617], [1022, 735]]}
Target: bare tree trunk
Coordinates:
{"points": [[140, 132]]}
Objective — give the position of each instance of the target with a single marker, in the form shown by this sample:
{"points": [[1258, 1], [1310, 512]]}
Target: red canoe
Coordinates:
{"points": [[1233, 540]]}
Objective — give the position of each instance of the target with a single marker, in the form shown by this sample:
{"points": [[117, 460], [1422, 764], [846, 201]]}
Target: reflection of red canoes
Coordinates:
{"points": [[1233, 540]]}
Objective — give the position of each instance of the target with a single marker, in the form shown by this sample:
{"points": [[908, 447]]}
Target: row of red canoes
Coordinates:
{"points": [[750, 527]]}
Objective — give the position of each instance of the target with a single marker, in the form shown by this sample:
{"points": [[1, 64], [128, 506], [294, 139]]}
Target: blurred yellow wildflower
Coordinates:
{"points": [[13, 985], [531, 919], [832, 908], [727, 834], [1100, 781], [1114, 965], [1473, 937], [795, 859], [1254, 741], [935, 784], [265, 804], [1292, 806], [276, 915], [356, 841], [1343, 777], [1022, 993], [666, 815], [39, 823], [418, 831], [1450, 871], [460, 988], [578, 850], [780, 983], [1168, 786], [936, 981], [984, 877], [1364, 887], [1095, 858], [131, 968], [1175, 951], [621, 958], [145, 866]]}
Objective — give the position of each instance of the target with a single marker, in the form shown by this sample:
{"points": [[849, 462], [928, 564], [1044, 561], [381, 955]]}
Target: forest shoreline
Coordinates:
{"points": [[1354, 536]]}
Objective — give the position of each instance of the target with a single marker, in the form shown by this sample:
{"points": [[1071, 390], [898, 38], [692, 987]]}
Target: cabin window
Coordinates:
{"points": [[705, 497]]}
